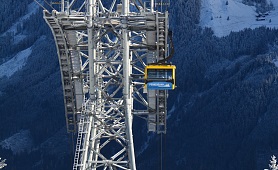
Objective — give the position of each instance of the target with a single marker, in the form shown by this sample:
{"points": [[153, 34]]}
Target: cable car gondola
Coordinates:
{"points": [[160, 77]]}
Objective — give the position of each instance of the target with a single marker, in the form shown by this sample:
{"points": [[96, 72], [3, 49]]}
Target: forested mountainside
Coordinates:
{"points": [[33, 133], [10, 12], [223, 115]]}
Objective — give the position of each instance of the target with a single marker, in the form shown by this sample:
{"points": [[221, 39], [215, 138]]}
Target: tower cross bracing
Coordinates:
{"points": [[103, 48]]}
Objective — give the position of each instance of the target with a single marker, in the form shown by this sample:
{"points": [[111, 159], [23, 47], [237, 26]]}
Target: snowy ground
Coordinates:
{"points": [[215, 13], [275, 61], [8, 68], [19, 142]]}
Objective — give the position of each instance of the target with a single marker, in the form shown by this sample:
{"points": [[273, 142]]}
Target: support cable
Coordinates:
{"points": [[49, 5], [164, 150], [161, 152], [42, 6]]}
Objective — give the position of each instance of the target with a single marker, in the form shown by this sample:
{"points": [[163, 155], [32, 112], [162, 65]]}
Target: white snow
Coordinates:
{"points": [[13, 65], [2, 163], [172, 110], [145, 145], [18, 38], [214, 14], [18, 142], [275, 61]]}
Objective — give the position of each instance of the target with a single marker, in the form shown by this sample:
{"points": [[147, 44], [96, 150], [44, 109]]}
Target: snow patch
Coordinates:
{"points": [[275, 61], [8, 68], [18, 38], [145, 145], [172, 110], [19, 142], [234, 17]]}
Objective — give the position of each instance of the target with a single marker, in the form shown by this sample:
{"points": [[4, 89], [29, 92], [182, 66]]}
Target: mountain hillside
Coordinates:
{"points": [[224, 16], [223, 115], [33, 134]]}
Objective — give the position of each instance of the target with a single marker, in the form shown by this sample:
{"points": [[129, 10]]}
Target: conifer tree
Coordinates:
{"points": [[273, 163], [2, 163]]}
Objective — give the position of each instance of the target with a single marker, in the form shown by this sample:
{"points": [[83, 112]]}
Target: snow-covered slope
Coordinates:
{"points": [[13, 65], [235, 16], [19, 142]]}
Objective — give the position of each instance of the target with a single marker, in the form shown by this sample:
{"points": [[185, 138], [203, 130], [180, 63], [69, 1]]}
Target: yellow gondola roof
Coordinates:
{"points": [[160, 66]]}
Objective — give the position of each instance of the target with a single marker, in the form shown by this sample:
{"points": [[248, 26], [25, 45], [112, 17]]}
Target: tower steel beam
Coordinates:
{"points": [[103, 48]]}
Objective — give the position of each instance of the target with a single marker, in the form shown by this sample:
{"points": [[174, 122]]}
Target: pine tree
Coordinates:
{"points": [[271, 6], [273, 163], [2, 163]]}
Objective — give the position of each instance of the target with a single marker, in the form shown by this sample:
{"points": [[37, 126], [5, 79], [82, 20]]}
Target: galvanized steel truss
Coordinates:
{"points": [[102, 52]]}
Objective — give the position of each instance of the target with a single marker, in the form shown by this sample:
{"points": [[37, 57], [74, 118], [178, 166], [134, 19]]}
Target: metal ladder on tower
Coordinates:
{"points": [[83, 126], [66, 71], [78, 142]]}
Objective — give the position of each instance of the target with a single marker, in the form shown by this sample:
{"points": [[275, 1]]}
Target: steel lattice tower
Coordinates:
{"points": [[103, 48]]}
